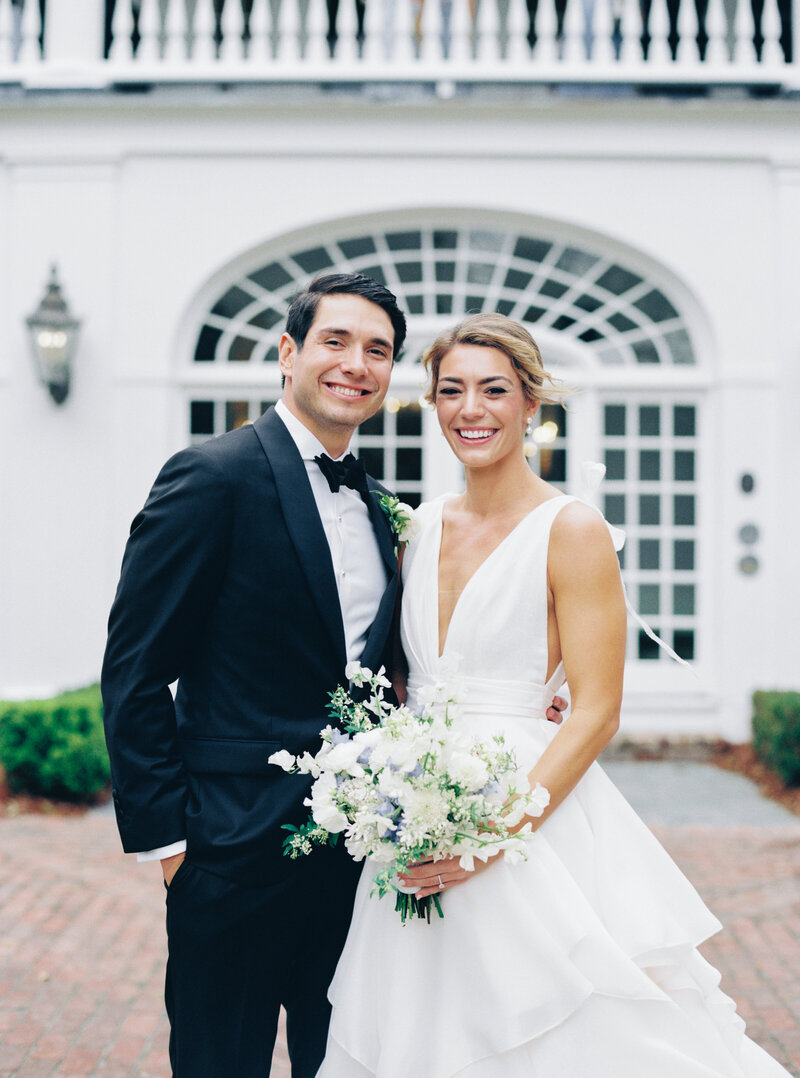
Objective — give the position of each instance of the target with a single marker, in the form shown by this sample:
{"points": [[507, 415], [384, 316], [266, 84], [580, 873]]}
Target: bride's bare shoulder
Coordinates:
{"points": [[580, 535]]}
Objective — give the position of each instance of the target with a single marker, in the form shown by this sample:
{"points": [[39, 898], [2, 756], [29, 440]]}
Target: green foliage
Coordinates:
{"points": [[55, 748], [776, 733]]}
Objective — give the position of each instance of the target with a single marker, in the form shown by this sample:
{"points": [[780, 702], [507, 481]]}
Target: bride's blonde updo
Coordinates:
{"points": [[497, 331]]}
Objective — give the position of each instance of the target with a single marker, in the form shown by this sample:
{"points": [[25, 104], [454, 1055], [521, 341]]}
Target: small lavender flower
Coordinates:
{"points": [[338, 737]]}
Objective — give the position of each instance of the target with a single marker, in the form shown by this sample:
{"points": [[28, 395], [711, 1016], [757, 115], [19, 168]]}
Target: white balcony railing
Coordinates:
{"points": [[445, 42]]}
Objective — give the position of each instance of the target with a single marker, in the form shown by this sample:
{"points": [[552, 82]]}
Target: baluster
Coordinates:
{"points": [[630, 29], [346, 51], [717, 32], [317, 33], [405, 52], [122, 32], [30, 51], [574, 33], [487, 33], [744, 32], [204, 26], [603, 34], [175, 32], [149, 32], [518, 50], [659, 51], [430, 41], [546, 49], [687, 53], [232, 26], [6, 38], [771, 51], [289, 32], [376, 44], [259, 48]]}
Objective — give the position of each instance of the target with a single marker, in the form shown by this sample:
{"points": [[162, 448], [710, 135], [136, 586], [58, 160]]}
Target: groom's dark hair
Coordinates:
{"points": [[304, 305]]}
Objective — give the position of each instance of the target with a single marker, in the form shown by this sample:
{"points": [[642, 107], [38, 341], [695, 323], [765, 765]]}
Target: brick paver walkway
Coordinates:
{"points": [[82, 944]]}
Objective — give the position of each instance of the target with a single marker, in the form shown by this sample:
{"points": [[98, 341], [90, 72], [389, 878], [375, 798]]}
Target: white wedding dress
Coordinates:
{"points": [[580, 962]]}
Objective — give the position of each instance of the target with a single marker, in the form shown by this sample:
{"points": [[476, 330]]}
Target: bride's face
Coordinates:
{"points": [[480, 404]]}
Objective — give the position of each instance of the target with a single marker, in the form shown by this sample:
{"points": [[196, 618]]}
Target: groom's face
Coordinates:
{"points": [[340, 376]]}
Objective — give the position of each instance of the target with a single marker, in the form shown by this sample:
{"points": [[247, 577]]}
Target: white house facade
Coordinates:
{"points": [[638, 209]]}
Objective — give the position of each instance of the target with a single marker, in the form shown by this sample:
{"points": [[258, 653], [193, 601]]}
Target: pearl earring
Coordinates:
{"points": [[528, 427]]}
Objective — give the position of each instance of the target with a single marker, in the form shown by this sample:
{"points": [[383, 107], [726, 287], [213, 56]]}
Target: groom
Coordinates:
{"points": [[252, 579]]}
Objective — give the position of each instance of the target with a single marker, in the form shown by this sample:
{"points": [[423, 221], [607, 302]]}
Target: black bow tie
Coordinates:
{"points": [[348, 472]]}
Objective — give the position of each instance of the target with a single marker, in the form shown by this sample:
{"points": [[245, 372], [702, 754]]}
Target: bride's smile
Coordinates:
{"points": [[481, 405]]}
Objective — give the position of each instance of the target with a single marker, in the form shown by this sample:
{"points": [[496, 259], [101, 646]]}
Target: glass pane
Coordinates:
{"points": [[587, 302], [517, 280], [409, 421], [618, 280], [649, 509], [614, 508], [575, 261], [533, 314], [648, 649], [241, 350], [363, 245], [409, 272], [615, 464], [680, 346], [590, 336], [649, 464], [474, 304], [479, 272], [444, 304], [650, 421], [272, 277], [553, 465], [373, 425], [404, 241], [646, 352], [683, 419], [237, 414], [683, 599], [683, 553], [266, 319], [553, 289], [656, 306], [313, 260], [409, 464], [683, 643], [614, 420], [415, 304], [684, 465], [621, 323], [373, 461], [483, 240], [445, 241], [649, 599], [531, 250], [684, 509], [564, 322], [201, 417], [375, 272], [649, 554], [231, 303], [554, 413], [206, 349]]}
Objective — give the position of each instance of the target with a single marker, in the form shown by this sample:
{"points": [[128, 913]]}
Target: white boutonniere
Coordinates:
{"points": [[402, 519]]}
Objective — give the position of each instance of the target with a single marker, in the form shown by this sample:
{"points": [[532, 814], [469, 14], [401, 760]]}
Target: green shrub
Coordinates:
{"points": [[55, 748], [776, 733]]}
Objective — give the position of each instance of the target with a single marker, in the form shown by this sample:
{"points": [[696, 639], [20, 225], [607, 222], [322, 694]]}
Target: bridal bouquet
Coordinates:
{"points": [[405, 787]]}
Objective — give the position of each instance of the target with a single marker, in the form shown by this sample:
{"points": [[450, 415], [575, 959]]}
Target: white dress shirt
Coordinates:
{"points": [[357, 563]]}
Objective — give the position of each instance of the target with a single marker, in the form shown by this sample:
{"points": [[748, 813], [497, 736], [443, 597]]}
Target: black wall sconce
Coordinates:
{"points": [[54, 335]]}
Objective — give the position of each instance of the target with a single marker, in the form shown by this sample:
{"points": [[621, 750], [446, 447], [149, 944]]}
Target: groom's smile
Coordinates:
{"points": [[339, 376]]}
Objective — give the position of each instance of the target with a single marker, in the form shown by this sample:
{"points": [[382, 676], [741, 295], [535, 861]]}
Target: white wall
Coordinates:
{"points": [[141, 203]]}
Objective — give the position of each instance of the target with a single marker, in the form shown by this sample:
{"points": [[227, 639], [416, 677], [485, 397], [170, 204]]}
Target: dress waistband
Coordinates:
{"points": [[523, 699]]}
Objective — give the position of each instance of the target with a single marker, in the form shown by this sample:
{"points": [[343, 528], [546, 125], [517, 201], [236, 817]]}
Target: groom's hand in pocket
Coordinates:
{"points": [[553, 713], [170, 865]]}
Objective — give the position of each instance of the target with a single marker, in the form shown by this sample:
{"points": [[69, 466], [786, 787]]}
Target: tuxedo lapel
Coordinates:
{"points": [[378, 635], [381, 527], [302, 521]]}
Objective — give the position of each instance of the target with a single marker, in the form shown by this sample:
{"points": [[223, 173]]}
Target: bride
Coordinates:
{"points": [[581, 961]]}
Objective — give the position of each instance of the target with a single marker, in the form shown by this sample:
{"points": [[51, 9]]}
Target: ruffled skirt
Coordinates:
{"points": [[580, 962]]}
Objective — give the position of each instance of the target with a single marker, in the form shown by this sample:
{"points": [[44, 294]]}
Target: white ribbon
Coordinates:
{"points": [[592, 475]]}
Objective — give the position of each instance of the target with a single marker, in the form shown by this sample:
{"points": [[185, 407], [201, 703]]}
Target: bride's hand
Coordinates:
{"points": [[433, 877]]}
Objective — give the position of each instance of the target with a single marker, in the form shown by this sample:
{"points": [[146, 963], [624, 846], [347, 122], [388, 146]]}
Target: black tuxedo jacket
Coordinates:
{"points": [[227, 586]]}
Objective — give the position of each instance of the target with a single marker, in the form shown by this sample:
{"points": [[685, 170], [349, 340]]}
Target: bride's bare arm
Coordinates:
{"points": [[589, 606]]}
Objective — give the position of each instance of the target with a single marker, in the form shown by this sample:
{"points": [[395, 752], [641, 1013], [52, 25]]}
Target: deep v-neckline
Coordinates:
{"points": [[475, 573]]}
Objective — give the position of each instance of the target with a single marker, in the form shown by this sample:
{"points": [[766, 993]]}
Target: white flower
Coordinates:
{"points": [[282, 759], [343, 758], [467, 770], [307, 765], [357, 673], [324, 809], [408, 524]]}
